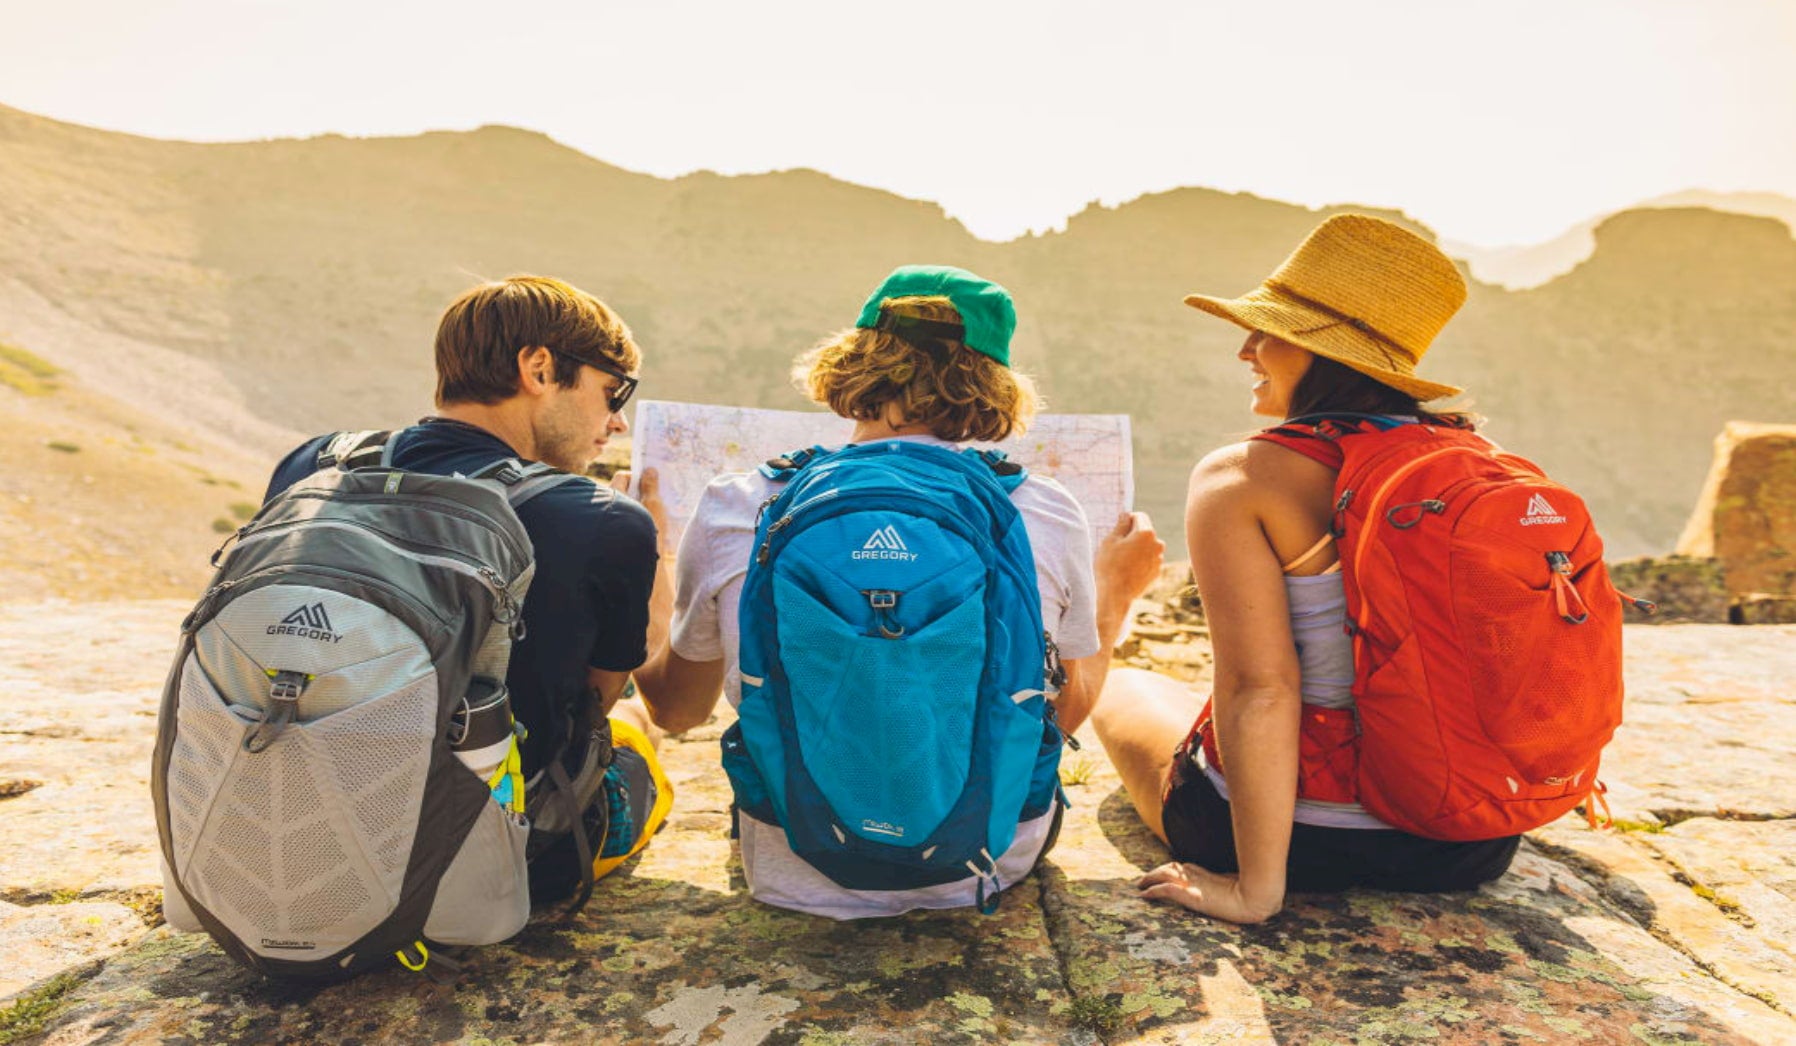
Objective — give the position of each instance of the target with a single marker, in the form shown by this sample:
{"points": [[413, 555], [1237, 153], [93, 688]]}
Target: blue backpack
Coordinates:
{"points": [[894, 719]]}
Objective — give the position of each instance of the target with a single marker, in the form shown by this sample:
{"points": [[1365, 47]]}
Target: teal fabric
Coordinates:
{"points": [[985, 308]]}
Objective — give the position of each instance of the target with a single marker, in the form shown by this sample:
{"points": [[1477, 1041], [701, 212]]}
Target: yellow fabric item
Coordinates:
{"points": [[511, 766], [1362, 291], [626, 735]]}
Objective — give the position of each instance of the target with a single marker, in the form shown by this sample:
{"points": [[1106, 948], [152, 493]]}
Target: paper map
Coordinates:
{"points": [[691, 443]]}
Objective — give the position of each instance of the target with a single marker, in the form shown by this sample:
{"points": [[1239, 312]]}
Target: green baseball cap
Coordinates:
{"points": [[985, 308]]}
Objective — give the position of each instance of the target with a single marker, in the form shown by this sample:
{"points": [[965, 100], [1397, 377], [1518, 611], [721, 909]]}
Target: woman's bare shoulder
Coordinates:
{"points": [[1222, 467]]}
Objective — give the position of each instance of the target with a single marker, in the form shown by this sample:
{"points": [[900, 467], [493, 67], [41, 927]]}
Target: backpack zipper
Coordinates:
{"points": [[211, 595], [510, 612], [444, 505], [785, 521]]}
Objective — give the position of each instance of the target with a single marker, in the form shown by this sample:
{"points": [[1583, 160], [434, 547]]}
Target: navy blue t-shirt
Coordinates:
{"points": [[595, 567]]}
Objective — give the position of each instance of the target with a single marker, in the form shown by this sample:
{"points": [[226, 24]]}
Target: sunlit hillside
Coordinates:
{"points": [[246, 294]]}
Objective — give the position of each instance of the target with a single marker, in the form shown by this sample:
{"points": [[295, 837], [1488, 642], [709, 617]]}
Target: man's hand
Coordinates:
{"points": [[1203, 891], [648, 495], [661, 599], [1128, 559]]}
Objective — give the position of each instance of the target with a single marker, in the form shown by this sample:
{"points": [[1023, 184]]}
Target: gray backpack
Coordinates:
{"points": [[315, 815]]}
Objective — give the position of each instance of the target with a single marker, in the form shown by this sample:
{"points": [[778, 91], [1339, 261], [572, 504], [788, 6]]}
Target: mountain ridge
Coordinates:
{"points": [[282, 266]]}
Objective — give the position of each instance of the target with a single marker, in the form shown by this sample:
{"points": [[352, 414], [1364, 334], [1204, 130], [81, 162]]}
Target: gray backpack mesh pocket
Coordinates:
{"points": [[300, 848]]}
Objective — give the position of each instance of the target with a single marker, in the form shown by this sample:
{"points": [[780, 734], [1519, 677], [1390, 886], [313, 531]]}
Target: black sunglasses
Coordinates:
{"points": [[624, 391]]}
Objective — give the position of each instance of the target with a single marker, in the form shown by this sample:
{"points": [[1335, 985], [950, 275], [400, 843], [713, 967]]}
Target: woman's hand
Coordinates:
{"points": [[1218, 896], [1128, 559]]}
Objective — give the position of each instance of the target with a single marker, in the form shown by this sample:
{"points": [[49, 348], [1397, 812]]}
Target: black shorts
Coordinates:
{"points": [[1328, 860]]}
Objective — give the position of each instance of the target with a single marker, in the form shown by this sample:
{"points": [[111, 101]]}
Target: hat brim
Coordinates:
{"points": [[1325, 335]]}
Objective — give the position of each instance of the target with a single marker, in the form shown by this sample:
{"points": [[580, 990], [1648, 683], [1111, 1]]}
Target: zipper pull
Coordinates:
{"points": [[510, 612], [235, 535], [766, 551], [1052, 714], [1421, 508], [1339, 525], [1055, 671], [885, 605], [207, 598], [1564, 593]]}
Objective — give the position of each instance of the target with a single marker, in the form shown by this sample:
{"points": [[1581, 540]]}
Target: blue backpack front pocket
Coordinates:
{"points": [[885, 725]]}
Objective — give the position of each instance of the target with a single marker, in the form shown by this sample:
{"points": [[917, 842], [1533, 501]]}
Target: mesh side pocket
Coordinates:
{"points": [[484, 896]]}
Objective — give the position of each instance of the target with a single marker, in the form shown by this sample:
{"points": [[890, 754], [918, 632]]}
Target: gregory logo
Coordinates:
{"points": [[896, 831], [307, 623], [885, 543], [1540, 511]]}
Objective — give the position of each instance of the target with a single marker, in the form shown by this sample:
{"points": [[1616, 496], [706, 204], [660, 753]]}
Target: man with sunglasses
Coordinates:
{"points": [[533, 369]]}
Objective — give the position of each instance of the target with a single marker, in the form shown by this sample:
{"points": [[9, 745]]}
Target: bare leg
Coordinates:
{"points": [[1140, 718], [634, 712]]}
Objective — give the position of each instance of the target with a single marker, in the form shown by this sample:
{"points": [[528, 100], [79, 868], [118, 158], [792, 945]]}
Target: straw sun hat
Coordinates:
{"points": [[1362, 292]]}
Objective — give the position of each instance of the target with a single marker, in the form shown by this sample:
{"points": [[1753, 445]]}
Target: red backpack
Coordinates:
{"points": [[1486, 635]]}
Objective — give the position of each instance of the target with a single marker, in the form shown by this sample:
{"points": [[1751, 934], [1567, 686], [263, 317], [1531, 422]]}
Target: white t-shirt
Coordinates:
{"points": [[713, 560]]}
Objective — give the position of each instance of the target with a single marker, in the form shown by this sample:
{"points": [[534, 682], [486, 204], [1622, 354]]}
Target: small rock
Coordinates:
{"points": [[1758, 608], [1746, 516], [1686, 588]]}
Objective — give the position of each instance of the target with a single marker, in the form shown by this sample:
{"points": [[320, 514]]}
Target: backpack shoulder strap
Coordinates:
{"points": [[1307, 440], [1009, 474], [1318, 436], [524, 481], [357, 450], [789, 464]]}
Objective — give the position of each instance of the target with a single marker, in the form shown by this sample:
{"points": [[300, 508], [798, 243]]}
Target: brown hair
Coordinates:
{"points": [[1332, 387], [483, 331], [959, 393]]}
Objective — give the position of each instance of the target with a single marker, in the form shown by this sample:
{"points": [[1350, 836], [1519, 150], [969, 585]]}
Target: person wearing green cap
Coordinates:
{"points": [[927, 361]]}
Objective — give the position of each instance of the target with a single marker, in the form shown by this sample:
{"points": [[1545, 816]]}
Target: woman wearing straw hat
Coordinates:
{"points": [[1339, 328]]}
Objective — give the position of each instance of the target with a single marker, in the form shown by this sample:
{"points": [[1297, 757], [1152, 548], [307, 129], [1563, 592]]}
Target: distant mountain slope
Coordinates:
{"points": [[293, 286], [1530, 265]]}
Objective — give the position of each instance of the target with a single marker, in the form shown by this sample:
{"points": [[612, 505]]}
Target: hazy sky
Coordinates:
{"points": [[1494, 122]]}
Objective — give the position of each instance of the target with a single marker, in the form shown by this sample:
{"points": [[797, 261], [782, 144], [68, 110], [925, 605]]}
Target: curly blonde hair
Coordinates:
{"points": [[959, 393]]}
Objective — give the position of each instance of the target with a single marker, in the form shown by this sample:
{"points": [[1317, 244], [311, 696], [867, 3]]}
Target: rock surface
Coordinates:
{"points": [[1679, 928], [1746, 516], [1687, 589]]}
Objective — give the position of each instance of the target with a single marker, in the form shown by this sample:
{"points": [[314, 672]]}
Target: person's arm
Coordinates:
{"points": [[607, 688], [680, 694], [1127, 562], [1256, 694]]}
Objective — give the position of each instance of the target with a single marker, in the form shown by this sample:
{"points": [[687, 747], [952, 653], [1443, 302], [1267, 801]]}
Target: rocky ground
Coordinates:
{"points": [[1678, 926]]}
